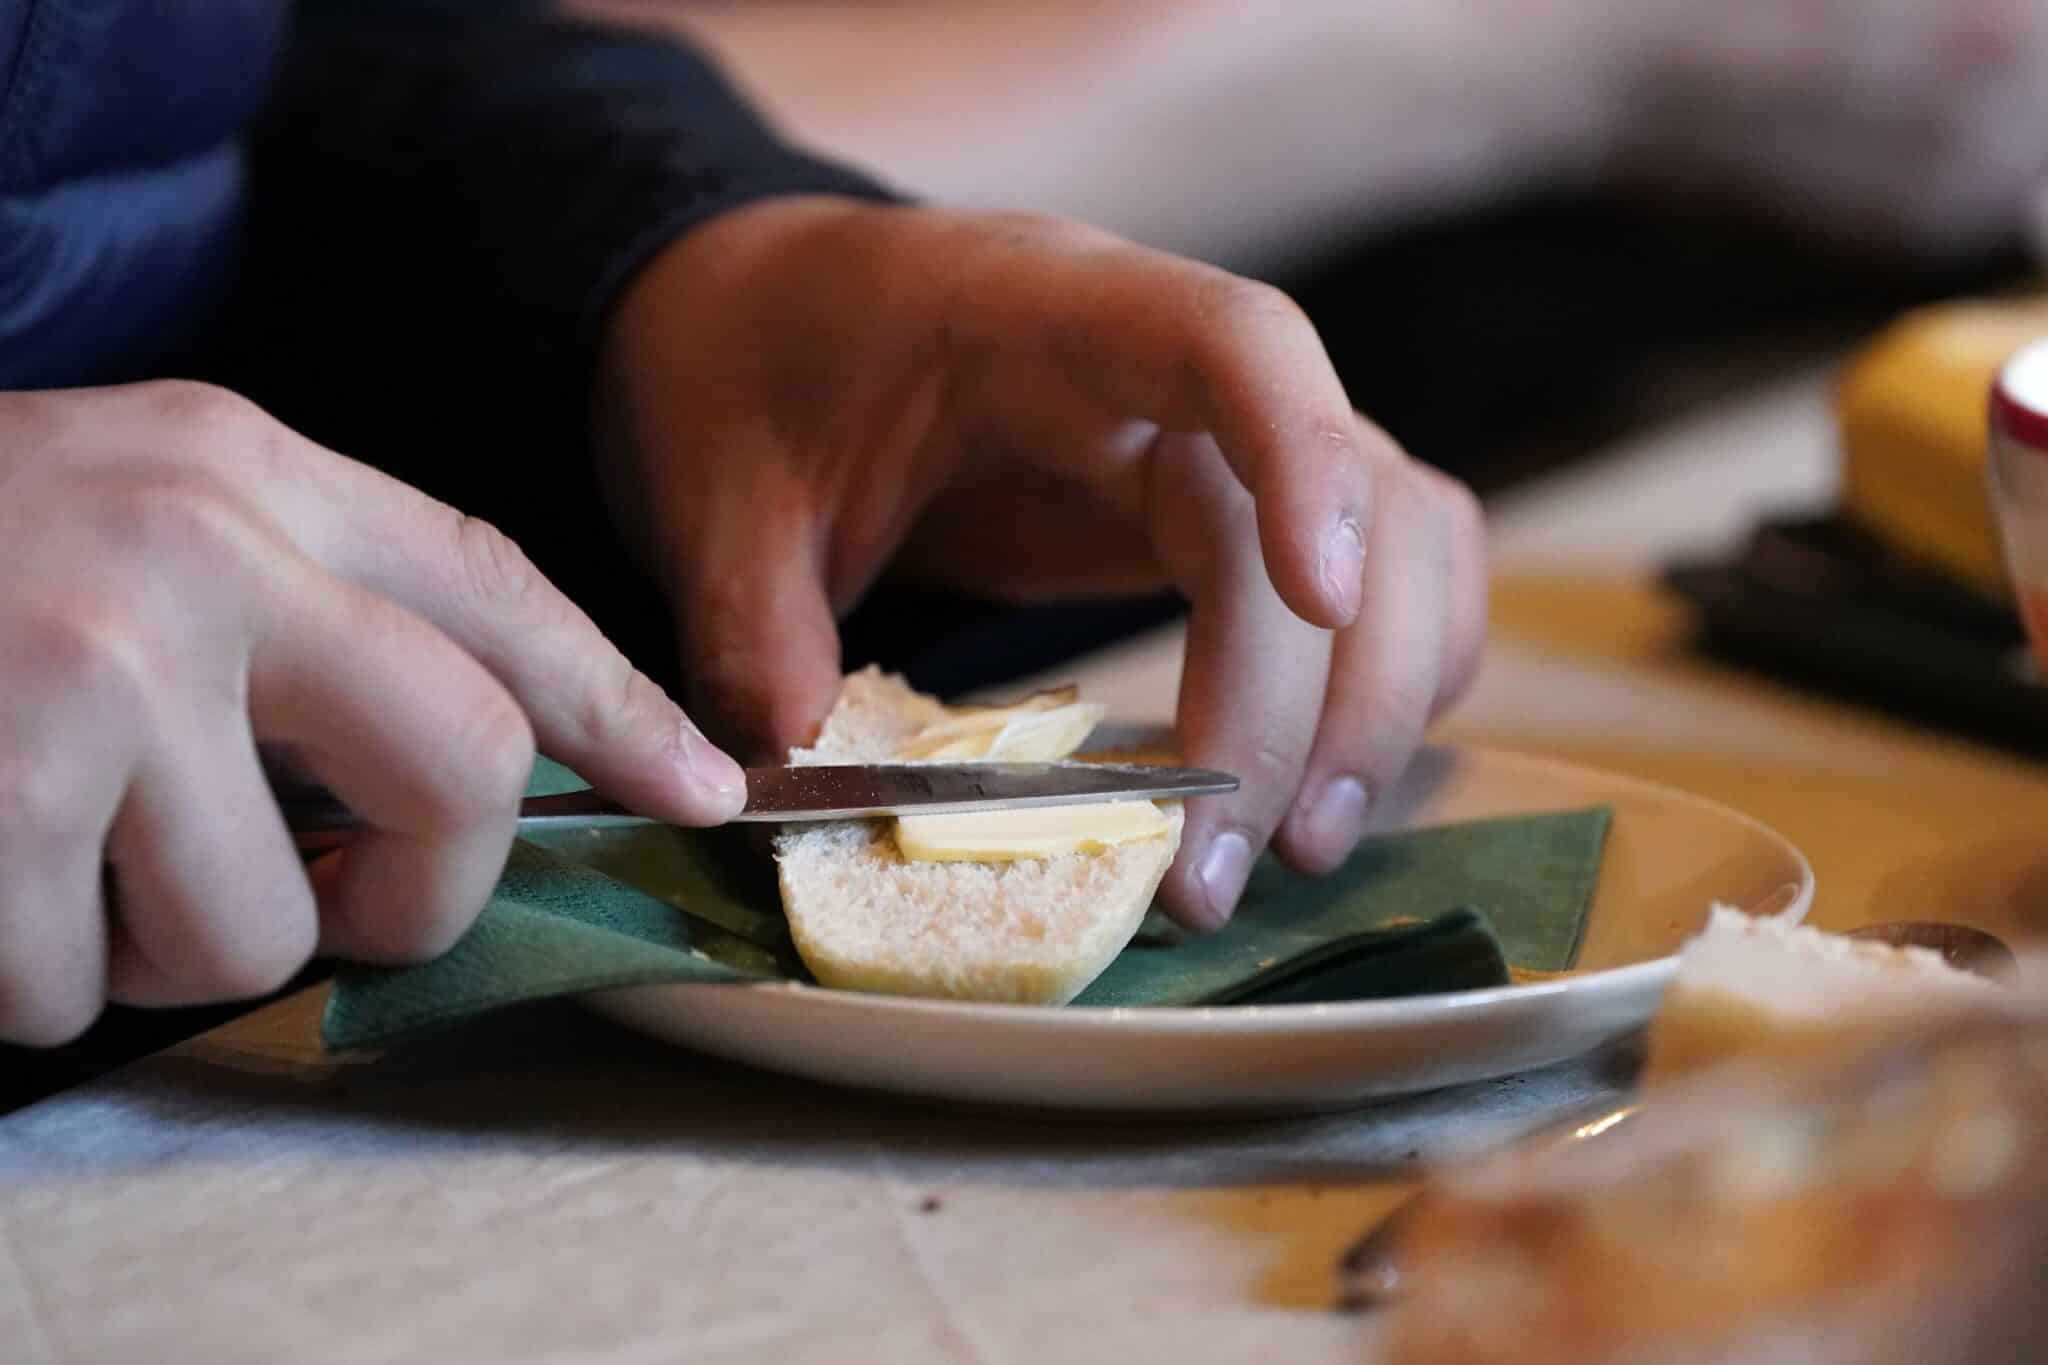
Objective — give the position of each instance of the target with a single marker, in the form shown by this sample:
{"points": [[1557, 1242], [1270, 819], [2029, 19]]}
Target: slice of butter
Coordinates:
{"points": [[1021, 734], [1046, 736], [1044, 728], [1041, 832], [967, 732]]}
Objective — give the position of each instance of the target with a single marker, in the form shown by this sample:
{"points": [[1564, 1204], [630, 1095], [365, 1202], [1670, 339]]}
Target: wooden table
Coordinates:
{"points": [[540, 1187]]}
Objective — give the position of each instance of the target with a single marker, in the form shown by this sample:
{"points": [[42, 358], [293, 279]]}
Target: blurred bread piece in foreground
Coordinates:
{"points": [[1888, 1211], [1750, 985]]}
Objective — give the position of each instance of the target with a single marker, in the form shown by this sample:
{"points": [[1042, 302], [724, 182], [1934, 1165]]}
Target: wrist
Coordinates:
{"points": [[695, 315]]}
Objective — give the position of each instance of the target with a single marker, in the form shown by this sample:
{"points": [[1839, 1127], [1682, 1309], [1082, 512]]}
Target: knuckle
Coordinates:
{"points": [[1052, 233], [37, 804], [620, 700], [1017, 227], [1398, 715], [1232, 320], [181, 524], [1381, 720], [200, 412], [1002, 232], [498, 572], [87, 653], [1235, 303], [498, 749], [1271, 769]]}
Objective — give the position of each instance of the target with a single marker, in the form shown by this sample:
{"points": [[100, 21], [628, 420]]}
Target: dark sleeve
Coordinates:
{"points": [[468, 187]]}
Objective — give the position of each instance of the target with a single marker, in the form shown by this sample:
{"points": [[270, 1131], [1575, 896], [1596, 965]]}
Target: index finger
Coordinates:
{"points": [[589, 706], [1197, 349]]}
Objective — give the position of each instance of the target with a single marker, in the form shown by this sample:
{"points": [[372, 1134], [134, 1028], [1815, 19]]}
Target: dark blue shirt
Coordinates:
{"points": [[481, 175], [121, 176]]}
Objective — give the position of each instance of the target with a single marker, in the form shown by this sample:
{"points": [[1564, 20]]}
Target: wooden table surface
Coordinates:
{"points": [[540, 1187]]}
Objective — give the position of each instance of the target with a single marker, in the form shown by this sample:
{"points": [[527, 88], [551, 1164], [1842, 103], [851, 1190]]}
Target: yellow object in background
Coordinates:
{"points": [[1913, 431]]}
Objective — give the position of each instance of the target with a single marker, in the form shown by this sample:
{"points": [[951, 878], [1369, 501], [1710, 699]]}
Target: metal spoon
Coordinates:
{"points": [[1369, 1275], [1964, 948]]}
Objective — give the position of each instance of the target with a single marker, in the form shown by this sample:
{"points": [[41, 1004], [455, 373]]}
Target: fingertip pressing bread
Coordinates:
{"points": [[865, 917]]}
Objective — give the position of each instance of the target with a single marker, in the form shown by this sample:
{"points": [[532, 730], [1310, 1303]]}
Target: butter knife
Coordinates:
{"points": [[850, 791]]}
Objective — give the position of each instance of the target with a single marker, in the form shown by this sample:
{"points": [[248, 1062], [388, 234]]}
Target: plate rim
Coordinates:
{"points": [[1311, 1017]]}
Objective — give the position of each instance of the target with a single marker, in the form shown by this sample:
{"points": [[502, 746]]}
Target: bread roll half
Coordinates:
{"points": [[864, 917]]}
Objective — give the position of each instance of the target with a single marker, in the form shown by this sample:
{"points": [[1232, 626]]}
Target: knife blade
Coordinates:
{"points": [[852, 791]]}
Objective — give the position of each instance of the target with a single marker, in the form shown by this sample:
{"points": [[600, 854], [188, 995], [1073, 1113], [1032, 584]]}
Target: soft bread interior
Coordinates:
{"points": [[1751, 986], [864, 917]]}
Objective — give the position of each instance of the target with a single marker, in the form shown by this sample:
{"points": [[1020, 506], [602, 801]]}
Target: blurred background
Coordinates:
{"points": [[1520, 223], [1525, 228]]}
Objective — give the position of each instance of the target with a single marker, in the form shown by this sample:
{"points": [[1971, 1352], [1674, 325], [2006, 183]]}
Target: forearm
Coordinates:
{"points": [[454, 193], [1232, 132]]}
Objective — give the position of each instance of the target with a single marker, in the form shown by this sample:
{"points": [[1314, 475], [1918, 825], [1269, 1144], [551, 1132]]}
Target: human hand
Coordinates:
{"points": [[190, 589], [802, 392]]}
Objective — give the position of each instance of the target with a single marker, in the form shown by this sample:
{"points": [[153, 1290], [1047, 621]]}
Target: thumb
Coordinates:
{"points": [[759, 645]]}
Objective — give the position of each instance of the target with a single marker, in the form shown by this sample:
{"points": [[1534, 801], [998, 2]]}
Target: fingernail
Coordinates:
{"points": [[713, 771], [1337, 818], [1344, 566], [1225, 865]]}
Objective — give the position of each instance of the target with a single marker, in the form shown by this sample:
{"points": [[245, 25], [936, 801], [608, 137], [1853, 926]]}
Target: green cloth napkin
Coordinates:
{"points": [[586, 909], [1529, 878]]}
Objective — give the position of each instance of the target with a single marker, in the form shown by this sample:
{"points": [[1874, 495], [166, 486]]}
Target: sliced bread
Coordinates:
{"points": [[865, 917]]}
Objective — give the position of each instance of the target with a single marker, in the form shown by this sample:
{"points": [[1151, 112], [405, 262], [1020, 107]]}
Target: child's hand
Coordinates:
{"points": [[805, 392]]}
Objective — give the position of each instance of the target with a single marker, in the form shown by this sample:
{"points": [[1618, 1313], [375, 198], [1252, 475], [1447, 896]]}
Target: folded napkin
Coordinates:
{"points": [[586, 909]]}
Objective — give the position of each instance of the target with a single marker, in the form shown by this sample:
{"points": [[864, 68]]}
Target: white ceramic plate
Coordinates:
{"points": [[1669, 856]]}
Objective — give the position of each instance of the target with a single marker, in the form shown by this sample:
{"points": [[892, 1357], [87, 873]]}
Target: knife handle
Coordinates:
{"points": [[319, 821]]}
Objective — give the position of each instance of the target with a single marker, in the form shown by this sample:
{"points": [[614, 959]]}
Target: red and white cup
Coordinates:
{"points": [[2019, 481]]}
